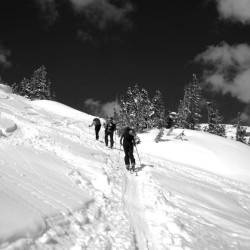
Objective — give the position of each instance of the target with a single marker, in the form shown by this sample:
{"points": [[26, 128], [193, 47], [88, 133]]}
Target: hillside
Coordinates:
{"points": [[61, 189]]}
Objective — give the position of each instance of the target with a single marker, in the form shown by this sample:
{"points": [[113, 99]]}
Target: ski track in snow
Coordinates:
{"points": [[153, 213], [126, 211], [172, 225], [100, 225]]}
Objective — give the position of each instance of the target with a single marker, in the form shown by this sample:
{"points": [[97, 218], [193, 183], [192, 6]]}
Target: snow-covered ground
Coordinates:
{"points": [[61, 189], [230, 131]]}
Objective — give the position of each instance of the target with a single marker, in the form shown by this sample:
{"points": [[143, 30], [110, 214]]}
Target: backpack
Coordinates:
{"points": [[97, 121], [110, 127]]}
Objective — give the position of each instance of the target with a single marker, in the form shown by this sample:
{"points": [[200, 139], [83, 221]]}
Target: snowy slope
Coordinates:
{"points": [[230, 130], [203, 151], [60, 189]]}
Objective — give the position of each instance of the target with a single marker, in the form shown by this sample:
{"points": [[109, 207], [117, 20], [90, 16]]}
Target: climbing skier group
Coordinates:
{"points": [[128, 139]]}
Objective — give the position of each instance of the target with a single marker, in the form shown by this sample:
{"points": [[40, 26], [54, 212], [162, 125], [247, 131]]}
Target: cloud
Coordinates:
{"points": [[108, 108], [227, 55], [95, 107], [236, 10], [103, 12], [92, 107], [49, 11], [79, 4], [227, 69], [244, 116], [98, 12], [4, 55]]}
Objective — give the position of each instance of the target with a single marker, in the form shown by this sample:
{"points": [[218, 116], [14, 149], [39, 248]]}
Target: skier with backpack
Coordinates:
{"points": [[97, 123], [128, 142], [171, 122], [110, 128]]}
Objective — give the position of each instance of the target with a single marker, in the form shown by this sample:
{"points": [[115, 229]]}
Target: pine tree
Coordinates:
{"points": [[26, 88], [37, 87], [128, 108], [159, 111], [144, 110], [240, 131], [136, 109], [159, 135], [40, 84], [117, 120], [189, 110], [215, 121], [16, 88]]}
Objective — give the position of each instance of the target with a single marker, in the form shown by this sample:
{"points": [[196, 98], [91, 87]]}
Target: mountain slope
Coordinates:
{"points": [[60, 189]]}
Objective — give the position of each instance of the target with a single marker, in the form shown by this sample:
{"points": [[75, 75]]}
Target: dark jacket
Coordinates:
{"points": [[96, 122], [170, 122], [126, 138], [110, 127]]}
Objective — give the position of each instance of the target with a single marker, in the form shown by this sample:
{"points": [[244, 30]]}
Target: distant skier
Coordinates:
{"points": [[128, 142], [110, 128], [171, 122], [97, 123]]}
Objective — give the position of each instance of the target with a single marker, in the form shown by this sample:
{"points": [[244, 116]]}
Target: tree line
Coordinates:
{"points": [[143, 112], [37, 86]]}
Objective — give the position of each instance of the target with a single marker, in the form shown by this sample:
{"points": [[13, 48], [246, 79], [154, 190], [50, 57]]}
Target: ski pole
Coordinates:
{"points": [[120, 152], [138, 154]]}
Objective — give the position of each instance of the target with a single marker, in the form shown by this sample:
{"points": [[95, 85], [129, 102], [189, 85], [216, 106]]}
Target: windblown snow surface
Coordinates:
{"points": [[61, 189]]}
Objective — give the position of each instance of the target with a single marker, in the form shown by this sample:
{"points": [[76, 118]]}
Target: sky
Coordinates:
{"points": [[94, 49]]}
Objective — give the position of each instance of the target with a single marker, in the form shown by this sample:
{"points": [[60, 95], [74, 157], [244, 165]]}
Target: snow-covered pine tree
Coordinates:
{"points": [[159, 110], [215, 125], [117, 120], [240, 131], [26, 88], [40, 84], [136, 109], [127, 108], [37, 87], [115, 115], [184, 108], [159, 135], [16, 89], [189, 110], [23, 88], [145, 110]]}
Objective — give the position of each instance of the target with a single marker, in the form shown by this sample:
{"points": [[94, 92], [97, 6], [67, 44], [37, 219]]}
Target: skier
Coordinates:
{"points": [[110, 128], [97, 123], [171, 122], [127, 140]]}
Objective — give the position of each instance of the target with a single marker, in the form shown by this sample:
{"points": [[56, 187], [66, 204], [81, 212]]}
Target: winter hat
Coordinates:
{"points": [[172, 114]]}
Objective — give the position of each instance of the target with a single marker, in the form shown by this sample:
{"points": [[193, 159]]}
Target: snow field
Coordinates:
{"points": [[60, 189]]}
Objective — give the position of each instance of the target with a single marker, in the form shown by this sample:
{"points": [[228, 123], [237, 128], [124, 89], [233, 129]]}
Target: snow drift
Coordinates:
{"points": [[202, 150]]}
